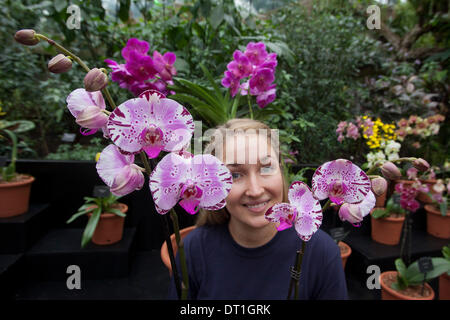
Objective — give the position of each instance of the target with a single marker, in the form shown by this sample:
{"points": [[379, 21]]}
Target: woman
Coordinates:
{"points": [[235, 252]]}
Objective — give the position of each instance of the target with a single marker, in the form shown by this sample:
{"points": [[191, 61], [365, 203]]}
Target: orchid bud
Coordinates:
{"points": [[92, 117], [26, 37], [129, 179], [421, 165], [59, 64], [95, 80], [351, 213], [390, 171], [379, 186]]}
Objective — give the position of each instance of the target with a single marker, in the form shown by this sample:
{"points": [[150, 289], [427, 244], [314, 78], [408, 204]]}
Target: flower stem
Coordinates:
{"points": [[185, 283], [250, 106], [79, 61], [297, 268], [327, 205]]}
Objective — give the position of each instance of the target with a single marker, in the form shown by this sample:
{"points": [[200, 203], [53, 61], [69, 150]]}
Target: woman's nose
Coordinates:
{"points": [[254, 186]]}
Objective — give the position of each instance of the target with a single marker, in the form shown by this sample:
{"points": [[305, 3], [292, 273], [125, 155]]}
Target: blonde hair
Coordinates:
{"points": [[207, 217]]}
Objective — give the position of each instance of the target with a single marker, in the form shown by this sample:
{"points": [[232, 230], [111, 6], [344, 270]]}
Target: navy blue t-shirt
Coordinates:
{"points": [[220, 268]]}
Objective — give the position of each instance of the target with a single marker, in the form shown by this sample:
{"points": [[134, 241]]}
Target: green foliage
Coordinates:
{"points": [[95, 207], [411, 276], [78, 151], [391, 207]]}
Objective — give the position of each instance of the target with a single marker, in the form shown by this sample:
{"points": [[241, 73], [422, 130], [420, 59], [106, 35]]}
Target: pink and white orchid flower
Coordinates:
{"points": [[303, 211], [341, 181], [119, 172], [200, 181], [88, 110], [355, 212], [150, 124]]}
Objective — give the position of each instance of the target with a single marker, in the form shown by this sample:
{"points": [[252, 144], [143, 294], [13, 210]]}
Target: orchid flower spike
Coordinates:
{"points": [[151, 124], [341, 181], [200, 181], [303, 211]]}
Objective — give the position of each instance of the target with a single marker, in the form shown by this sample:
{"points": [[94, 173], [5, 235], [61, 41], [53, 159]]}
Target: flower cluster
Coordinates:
{"points": [[388, 151], [419, 127], [408, 194], [258, 67], [142, 72]]}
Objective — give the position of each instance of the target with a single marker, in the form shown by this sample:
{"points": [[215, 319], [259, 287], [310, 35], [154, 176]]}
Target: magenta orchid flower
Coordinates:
{"points": [[256, 52], [240, 66], [355, 212], [341, 181], [266, 97], [87, 108], [303, 211], [230, 81], [150, 125], [200, 181], [134, 45], [119, 172], [261, 80], [163, 64]]}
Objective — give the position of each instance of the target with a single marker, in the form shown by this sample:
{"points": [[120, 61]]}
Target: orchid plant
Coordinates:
{"points": [[146, 125]]}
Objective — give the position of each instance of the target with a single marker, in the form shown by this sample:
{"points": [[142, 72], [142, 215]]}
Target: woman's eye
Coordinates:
{"points": [[235, 175], [268, 169]]}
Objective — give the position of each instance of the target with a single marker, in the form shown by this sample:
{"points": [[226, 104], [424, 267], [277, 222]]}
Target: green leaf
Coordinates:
{"points": [[76, 215], [213, 116], [117, 212], [217, 16], [415, 277], [401, 267], [443, 207], [379, 213], [90, 227], [200, 92]]}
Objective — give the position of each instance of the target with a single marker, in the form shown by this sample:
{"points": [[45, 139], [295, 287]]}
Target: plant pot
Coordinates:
{"points": [[387, 230], [444, 287], [346, 251], [424, 197], [437, 224], [110, 227], [380, 200], [165, 252], [411, 293], [15, 196]]}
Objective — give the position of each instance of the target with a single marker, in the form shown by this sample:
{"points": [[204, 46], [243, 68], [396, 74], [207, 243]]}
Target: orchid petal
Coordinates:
{"points": [[341, 181], [110, 162], [283, 213], [190, 205], [127, 180], [166, 180], [79, 99], [212, 177]]}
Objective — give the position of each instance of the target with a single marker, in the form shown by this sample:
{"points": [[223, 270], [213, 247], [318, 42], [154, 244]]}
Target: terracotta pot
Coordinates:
{"points": [[387, 230], [424, 197], [444, 287], [165, 252], [437, 224], [380, 200], [346, 254], [15, 197], [110, 227], [388, 293]]}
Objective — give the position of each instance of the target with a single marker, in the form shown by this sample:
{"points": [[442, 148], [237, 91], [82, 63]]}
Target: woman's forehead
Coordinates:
{"points": [[248, 149]]}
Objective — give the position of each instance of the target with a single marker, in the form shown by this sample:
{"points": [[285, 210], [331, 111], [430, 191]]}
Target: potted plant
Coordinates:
{"points": [[338, 235], [438, 215], [444, 279], [106, 218], [387, 223], [409, 283], [14, 188]]}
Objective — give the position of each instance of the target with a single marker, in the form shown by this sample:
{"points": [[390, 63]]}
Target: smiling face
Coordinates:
{"points": [[257, 184]]}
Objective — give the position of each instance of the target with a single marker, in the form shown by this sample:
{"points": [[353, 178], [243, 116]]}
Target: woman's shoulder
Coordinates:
{"points": [[205, 234]]}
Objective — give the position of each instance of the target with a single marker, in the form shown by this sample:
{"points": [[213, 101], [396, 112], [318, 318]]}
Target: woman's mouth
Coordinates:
{"points": [[257, 207]]}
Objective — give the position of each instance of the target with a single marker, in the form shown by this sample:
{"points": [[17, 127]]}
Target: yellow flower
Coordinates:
{"points": [[97, 156]]}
